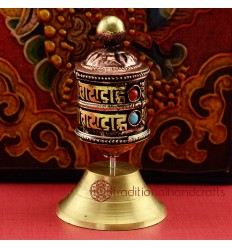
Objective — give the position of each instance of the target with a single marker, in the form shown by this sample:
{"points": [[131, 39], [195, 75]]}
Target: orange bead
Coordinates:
{"points": [[171, 104], [66, 97], [61, 19], [69, 81], [126, 43], [50, 46], [175, 81], [88, 14], [150, 89], [159, 94], [157, 84], [130, 10], [150, 64], [68, 65], [44, 15], [60, 10], [167, 88], [67, 89], [62, 32], [142, 58], [49, 31], [98, 16], [56, 60], [71, 11], [171, 96], [132, 20], [132, 32], [151, 111]]}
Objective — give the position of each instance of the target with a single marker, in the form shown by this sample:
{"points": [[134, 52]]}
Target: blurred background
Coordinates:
{"points": [[189, 52]]}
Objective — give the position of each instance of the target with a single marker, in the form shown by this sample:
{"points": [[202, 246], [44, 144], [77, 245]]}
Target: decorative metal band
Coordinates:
{"points": [[111, 107], [108, 78], [111, 121], [102, 121], [102, 93], [106, 69], [113, 140], [124, 93]]}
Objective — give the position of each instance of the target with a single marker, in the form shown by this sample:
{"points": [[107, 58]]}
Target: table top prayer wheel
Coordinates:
{"points": [[112, 93], [112, 114]]}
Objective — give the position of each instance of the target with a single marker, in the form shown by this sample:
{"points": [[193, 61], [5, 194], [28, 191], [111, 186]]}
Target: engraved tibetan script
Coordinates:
{"points": [[102, 94], [103, 122]]}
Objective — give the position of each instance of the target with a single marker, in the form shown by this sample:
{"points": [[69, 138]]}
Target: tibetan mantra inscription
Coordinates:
{"points": [[102, 94], [111, 106], [104, 122]]}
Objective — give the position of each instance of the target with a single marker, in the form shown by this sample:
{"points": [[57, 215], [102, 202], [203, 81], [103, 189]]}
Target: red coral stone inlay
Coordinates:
{"points": [[133, 94]]}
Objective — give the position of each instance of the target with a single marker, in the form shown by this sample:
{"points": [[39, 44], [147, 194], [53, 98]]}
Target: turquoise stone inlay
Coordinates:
{"points": [[134, 118]]}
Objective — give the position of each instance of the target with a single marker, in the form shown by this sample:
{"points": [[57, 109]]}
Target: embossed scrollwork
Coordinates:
{"points": [[206, 119], [44, 134]]}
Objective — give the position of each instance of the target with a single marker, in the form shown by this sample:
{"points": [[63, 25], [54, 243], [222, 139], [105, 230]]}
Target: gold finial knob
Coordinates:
{"points": [[111, 30]]}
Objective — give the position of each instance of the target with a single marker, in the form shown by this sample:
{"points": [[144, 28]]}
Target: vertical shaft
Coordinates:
{"points": [[112, 166], [112, 162]]}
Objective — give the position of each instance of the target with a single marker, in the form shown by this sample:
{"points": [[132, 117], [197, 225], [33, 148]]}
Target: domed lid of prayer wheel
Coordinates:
{"points": [[111, 60]]}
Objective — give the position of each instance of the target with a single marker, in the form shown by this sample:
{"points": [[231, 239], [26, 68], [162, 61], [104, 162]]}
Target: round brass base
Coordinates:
{"points": [[111, 199]]}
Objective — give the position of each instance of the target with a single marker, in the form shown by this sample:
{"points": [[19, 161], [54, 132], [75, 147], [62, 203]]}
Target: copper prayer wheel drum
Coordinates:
{"points": [[112, 93]]}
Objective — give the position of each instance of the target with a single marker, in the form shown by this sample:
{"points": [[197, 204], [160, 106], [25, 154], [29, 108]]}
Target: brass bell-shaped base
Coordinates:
{"points": [[111, 199]]}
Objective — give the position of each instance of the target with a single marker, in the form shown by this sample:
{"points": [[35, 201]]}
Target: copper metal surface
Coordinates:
{"points": [[107, 80]]}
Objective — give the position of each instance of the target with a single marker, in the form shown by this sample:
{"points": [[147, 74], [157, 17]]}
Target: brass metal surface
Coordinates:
{"points": [[125, 209], [110, 24], [111, 30]]}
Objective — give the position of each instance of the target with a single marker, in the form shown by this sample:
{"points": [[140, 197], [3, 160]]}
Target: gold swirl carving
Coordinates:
{"points": [[45, 134], [213, 102], [66, 41], [65, 36]]}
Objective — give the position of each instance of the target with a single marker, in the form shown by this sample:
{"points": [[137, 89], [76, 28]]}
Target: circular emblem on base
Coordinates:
{"points": [[101, 190]]}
